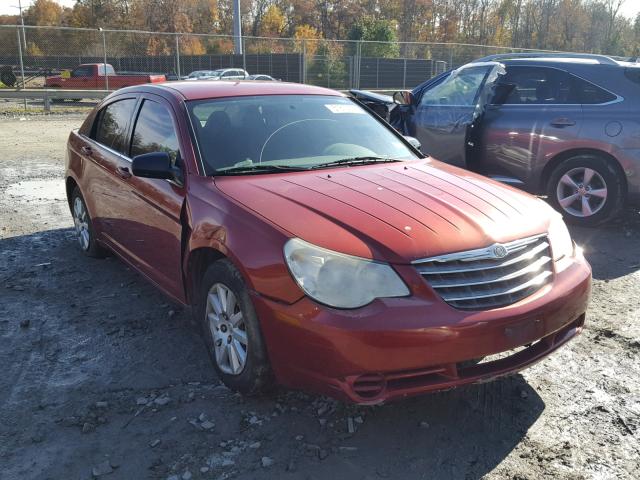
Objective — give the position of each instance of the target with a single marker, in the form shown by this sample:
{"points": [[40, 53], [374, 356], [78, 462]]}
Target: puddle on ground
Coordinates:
{"points": [[38, 190]]}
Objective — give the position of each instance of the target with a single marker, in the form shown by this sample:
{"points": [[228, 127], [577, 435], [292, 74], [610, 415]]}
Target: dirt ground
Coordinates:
{"points": [[103, 376]]}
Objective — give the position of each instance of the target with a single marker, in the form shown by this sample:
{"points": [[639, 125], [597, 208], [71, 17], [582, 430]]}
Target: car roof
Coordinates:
{"points": [[557, 57], [233, 88]]}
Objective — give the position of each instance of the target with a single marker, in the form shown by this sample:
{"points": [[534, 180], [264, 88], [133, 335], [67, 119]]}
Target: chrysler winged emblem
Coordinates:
{"points": [[499, 251]]}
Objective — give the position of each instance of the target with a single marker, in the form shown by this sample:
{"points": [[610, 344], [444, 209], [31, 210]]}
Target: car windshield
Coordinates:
{"points": [[289, 131]]}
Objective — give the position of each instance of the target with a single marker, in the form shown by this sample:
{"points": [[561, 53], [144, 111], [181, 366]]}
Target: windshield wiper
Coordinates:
{"points": [[356, 161], [258, 168]]}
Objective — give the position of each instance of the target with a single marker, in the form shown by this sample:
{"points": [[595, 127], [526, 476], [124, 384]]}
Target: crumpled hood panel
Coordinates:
{"points": [[392, 212]]}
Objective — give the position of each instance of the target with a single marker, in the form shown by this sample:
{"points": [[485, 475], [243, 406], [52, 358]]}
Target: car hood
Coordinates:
{"points": [[393, 212]]}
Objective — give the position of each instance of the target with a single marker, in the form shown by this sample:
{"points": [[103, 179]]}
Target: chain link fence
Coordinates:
{"points": [[30, 55]]}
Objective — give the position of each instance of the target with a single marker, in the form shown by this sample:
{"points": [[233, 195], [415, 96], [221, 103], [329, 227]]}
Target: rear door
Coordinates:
{"points": [[540, 118], [107, 165], [446, 111]]}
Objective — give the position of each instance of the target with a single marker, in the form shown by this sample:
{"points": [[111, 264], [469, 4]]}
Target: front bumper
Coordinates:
{"points": [[399, 347]]}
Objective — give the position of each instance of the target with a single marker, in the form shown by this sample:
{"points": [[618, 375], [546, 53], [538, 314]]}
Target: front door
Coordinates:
{"points": [[445, 112], [151, 233]]}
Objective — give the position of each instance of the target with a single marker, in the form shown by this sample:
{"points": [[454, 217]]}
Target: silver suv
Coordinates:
{"points": [[564, 125]]}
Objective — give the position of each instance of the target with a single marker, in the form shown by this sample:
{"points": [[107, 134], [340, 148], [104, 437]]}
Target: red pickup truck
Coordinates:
{"points": [[92, 76]]}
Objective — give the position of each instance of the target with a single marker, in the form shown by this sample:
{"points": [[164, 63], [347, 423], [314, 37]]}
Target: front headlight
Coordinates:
{"points": [[560, 239], [340, 280]]}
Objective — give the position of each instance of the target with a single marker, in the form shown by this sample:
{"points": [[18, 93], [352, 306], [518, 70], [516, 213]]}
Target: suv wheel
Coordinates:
{"points": [[586, 189], [231, 330], [84, 227]]}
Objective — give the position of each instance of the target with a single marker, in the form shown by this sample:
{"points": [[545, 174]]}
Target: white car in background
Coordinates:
{"points": [[220, 74], [267, 78]]}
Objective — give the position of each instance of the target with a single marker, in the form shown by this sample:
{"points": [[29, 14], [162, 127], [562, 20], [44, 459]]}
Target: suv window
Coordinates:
{"points": [[537, 86], [587, 93], [459, 90], [111, 124], [154, 131], [229, 73]]}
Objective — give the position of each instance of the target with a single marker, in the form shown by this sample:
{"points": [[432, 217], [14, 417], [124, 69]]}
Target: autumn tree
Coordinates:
{"points": [[379, 36], [570, 25], [44, 12], [307, 39]]}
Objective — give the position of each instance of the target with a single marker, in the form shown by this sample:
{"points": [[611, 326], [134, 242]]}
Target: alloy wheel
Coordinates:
{"points": [[582, 192], [228, 329], [81, 222]]}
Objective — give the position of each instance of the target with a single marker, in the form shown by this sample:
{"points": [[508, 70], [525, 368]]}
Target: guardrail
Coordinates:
{"points": [[49, 95]]}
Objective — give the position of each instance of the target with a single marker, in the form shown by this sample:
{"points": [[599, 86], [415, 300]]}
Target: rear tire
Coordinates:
{"points": [[84, 227], [231, 330], [587, 189], [8, 78]]}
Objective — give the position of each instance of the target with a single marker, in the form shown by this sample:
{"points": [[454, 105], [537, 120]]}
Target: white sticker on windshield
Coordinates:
{"points": [[343, 108]]}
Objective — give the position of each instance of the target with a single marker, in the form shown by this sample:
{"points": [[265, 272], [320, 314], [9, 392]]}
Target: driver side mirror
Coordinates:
{"points": [[155, 165], [403, 97]]}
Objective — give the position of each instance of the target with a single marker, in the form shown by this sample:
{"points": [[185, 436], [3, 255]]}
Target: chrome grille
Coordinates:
{"points": [[490, 277]]}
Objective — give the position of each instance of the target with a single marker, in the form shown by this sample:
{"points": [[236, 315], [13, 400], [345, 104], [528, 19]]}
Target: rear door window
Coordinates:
{"points": [[112, 123], [154, 131], [538, 86]]}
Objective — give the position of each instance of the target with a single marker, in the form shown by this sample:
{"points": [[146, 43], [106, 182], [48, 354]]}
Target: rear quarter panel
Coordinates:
{"points": [[615, 129]]}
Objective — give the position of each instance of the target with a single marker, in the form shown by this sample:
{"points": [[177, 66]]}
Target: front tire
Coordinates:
{"points": [[84, 227], [231, 330], [586, 189]]}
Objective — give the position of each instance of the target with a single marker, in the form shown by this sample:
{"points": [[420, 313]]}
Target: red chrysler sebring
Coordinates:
{"points": [[316, 246]]}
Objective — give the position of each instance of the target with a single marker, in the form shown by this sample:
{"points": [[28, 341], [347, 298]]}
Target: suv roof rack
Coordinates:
{"points": [[602, 59]]}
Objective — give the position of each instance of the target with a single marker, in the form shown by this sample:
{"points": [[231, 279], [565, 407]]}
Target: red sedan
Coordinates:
{"points": [[316, 246]]}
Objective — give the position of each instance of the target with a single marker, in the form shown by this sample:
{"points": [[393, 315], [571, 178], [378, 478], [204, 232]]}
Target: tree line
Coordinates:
{"points": [[568, 25]]}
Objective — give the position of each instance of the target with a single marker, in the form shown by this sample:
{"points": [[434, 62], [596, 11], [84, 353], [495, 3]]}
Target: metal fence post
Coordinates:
{"points": [[358, 63], [304, 62], [104, 51], [21, 66], [404, 75], [178, 56], [244, 53]]}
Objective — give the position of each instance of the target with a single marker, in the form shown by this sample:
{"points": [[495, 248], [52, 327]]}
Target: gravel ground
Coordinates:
{"points": [[104, 377]]}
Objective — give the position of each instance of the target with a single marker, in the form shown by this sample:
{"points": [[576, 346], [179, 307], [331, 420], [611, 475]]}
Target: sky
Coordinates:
{"points": [[629, 9]]}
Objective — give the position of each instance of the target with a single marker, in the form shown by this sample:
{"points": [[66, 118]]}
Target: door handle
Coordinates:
{"points": [[562, 122], [87, 150], [123, 172]]}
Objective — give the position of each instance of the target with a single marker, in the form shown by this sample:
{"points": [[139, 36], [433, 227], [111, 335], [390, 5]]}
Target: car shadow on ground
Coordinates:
{"points": [[607, 247], [77, 331]]}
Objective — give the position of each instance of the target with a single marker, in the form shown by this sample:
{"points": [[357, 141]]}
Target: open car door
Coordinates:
{"points": [[382, 105], [445, 112]]}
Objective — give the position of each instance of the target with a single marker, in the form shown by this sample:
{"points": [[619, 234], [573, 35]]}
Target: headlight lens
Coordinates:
{"points": [[340, 280], [560, 239]]}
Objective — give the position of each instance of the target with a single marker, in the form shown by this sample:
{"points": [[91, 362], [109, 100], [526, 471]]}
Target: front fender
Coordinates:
{"points": [[249, 241]]}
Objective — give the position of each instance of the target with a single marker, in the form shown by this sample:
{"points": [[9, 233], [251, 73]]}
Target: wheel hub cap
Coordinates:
{"points": [[81, 223], [228, 329], [582, 192]]}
